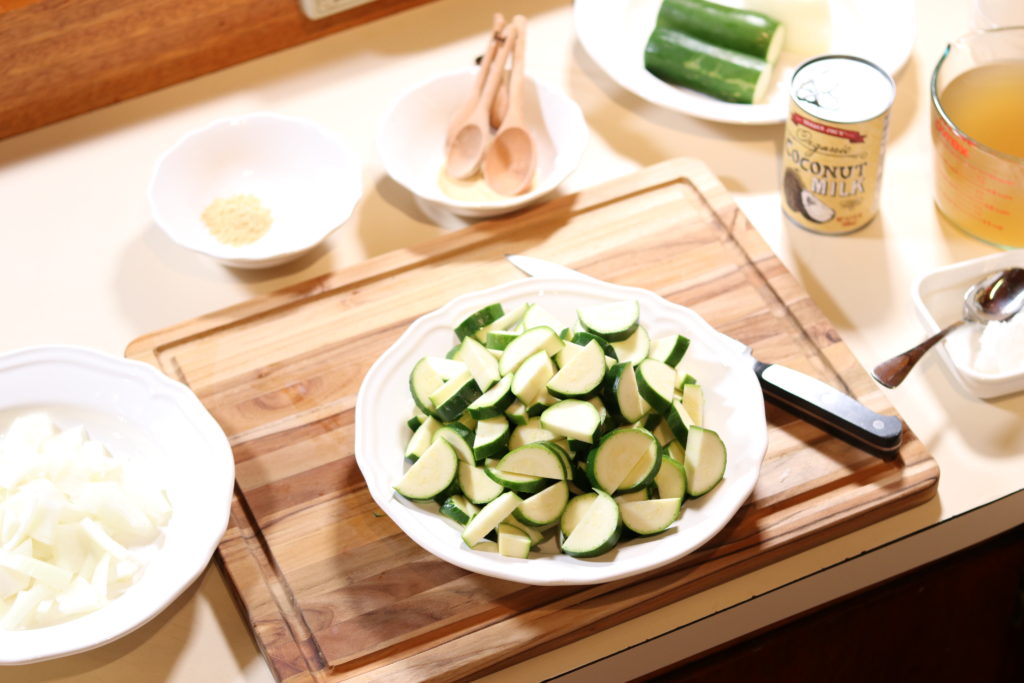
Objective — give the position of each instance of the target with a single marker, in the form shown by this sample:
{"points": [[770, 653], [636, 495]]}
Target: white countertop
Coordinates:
{"points": [[83, 263]]}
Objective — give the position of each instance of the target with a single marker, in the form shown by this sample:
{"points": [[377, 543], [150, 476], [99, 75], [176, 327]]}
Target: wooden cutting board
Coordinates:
{"points": [[334, 590]]}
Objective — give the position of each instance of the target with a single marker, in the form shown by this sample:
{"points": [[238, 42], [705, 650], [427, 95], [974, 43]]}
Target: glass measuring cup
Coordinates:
{"points": [[977, 95]]}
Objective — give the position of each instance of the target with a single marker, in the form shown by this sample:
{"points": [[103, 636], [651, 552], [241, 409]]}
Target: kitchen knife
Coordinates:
{"points": [[810, 399]]}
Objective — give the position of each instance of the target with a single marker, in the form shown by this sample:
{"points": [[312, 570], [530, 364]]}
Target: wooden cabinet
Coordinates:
{"points": [[960, 618]]}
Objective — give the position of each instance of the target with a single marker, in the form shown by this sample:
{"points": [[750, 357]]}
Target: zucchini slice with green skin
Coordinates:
{"points": [[531, 377], [498, 339], [489, 517], [481, 363], [679, 421], [520, 483], [693, 401], [728, 75], [597, 531], [573, 419], [422, 438], [478, 319], [536, 534], [516, 412], [503, 323], [582, 338], [431, 474], [580, 376], [525, 345], [670, 350], [452, 398], [643, 473], [476, 486], [614, 321], [671, 478], [704, 462], [491, 438], [633, 348], [493, 402], [623, 460], [649, 517], [538, 316], [742, 30], [656, 383], [458, 509], [544, 507], [513, 541], [540, 459], [531, 431], [460, 437], [623, 394]]}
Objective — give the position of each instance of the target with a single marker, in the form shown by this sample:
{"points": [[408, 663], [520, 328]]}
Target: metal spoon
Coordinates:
{"points": [[511, 159], [999, 296], [467, 145]]}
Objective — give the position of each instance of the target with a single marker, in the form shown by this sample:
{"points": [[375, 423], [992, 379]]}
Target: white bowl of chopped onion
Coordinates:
{"points": [[255, 191], [115, 487]]}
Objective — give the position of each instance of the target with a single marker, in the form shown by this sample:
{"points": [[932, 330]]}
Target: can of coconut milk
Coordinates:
{"points": [[835, 143]]}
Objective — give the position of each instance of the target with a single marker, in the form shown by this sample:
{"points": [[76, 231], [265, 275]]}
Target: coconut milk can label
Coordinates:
{"points": [[832, 166]]}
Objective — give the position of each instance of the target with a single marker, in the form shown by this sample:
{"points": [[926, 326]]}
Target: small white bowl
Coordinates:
{"points": [[139, 414], [938, 298], [411, 141], [302, 172]]}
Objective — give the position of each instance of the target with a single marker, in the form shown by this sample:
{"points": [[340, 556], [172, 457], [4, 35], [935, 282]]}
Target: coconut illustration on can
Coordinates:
{"points": [[803, 202], [835, 143]]}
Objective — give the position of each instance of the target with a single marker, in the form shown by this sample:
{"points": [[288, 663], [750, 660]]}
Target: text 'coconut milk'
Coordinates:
{"points": [[835, 143]]}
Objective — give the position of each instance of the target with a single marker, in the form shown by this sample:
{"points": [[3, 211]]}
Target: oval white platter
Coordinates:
{"points": [[614, 33], [734, 405]]}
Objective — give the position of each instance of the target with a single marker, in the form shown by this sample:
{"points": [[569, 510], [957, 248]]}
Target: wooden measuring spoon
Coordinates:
{"points": [[468, 144], [511, 158], [459, 118]]}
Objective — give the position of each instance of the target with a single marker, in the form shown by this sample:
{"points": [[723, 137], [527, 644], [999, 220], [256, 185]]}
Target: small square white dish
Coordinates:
{"points": [[938, 298]]}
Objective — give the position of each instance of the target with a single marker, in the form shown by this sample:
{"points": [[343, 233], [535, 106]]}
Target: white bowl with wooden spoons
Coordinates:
{"points": [[412, 144]]}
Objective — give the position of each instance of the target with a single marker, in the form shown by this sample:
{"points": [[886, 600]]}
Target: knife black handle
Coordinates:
{"points": [[830, 409]]}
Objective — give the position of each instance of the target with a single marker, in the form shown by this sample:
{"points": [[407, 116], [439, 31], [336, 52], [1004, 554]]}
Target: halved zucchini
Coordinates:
{"points": [[431, 474], [476, 485], [525, 345], [493, 402], [704, 462], [614, 321], [540, 459], [597, 531], [581, 375], [544, 507], [572, 418], [656, 383], [477, 319], [649, 517], [622, 461], [485, 521]]}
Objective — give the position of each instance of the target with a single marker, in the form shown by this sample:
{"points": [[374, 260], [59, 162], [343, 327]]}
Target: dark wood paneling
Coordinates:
{"points": [[59, 58]]}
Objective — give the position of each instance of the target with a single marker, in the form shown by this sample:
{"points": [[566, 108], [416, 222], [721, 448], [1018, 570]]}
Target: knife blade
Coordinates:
{"points": [[802, 395]]}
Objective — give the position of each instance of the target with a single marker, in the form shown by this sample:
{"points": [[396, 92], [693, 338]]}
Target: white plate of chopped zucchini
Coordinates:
{"points": [[734, 64], [552, 432]]}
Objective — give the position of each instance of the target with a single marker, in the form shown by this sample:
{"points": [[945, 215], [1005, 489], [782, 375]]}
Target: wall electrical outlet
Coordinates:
{"points": [[318, 9]]}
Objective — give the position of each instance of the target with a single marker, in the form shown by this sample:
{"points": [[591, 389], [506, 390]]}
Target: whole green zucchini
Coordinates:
{"points": [[745, 31], [681, 59]]}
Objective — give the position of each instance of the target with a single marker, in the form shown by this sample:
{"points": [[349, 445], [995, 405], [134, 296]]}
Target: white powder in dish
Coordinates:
{"points": [[1000, 348]]}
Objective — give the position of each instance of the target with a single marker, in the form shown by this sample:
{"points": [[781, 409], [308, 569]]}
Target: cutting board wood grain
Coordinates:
{"points": [[335, 591]]}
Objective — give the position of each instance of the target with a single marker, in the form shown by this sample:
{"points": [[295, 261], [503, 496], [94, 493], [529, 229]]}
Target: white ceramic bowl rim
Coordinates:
{"points": [[199, 528], [255, 252]]}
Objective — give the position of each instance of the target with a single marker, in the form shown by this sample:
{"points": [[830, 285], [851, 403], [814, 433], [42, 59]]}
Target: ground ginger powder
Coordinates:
{"points": [[237, 220]]}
